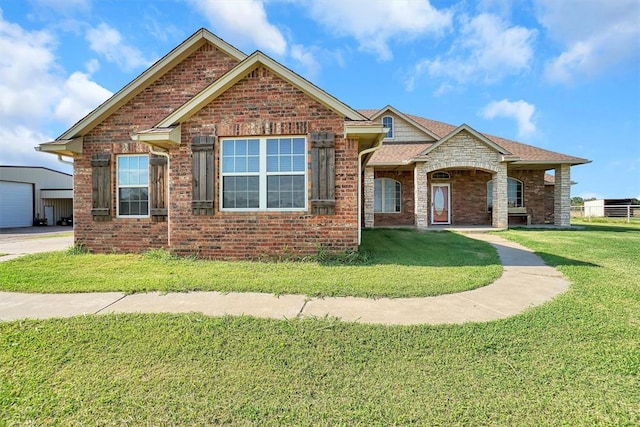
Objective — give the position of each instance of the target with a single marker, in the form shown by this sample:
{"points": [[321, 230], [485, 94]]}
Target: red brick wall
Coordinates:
{"points": [[406, 215], [113, 136], [468, 197], [534, 193], [258, 104]]}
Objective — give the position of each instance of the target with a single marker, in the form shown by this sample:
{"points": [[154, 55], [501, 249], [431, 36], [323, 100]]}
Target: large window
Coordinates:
{"points": [[514, 193], [387, 197], [133, 185], [387, 122], [264, 173]]}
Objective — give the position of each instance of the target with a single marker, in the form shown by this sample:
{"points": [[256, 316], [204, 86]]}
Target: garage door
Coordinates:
{"points": [[16, 204]]}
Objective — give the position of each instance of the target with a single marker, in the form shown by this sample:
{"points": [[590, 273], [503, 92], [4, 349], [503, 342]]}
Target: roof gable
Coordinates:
{"points": [[148, 77], [378, 114], [239, 72], [466, 128]]}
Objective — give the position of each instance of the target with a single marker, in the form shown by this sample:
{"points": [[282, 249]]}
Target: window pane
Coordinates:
{"points": [[299, 163], [240, 192], [299, 146], [272, 163], [285, 146], [227, 164], [253, 147], [272, 146], [241, 147], [228, 148], [377, 195]]}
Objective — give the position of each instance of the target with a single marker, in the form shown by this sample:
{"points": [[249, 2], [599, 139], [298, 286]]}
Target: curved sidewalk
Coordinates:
{"points": [[526, 282]]}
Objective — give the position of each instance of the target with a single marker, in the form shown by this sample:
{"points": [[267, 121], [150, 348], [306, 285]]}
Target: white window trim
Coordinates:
{"points": [[393, 128], [262, 175], [383, 190], [118, 187]]}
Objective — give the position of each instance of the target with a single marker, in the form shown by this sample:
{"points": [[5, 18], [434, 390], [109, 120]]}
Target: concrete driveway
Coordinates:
{"points": [[16, 242]]}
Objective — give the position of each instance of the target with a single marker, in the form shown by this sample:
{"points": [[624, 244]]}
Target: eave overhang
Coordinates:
{"points": [[367, 133], [62, 147], [159, 137]]}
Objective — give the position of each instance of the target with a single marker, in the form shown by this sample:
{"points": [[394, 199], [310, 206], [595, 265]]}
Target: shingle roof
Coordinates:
{"points": [[526, 153]]}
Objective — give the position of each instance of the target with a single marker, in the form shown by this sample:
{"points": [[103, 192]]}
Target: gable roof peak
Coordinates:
{"points": [[147, 77]]}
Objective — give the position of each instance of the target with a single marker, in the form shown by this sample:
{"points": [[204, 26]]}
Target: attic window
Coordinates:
{"points": [[387, 122], [440, 175]]}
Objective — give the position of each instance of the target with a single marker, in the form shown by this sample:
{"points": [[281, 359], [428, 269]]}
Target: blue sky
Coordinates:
{"points": [[561, 75]]}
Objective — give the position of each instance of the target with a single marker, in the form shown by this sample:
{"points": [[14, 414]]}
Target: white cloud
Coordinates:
{"points": [[35, 93], [521, 111], [596, 35], [28, 83], [307, 59], [374, 23], [17, 149], [81, 96], [487, 49], [108, 42], [243, 22]]}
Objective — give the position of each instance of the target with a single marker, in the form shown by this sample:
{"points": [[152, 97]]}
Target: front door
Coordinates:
{"points": [[440, 204]]}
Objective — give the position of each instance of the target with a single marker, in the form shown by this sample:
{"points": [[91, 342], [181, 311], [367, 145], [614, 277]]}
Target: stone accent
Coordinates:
{"points": [[463, 151], [562, 196], [421, 196], [500, 213], [369, 216]]}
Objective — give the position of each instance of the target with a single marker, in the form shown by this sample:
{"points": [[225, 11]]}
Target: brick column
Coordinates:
{"points": [[368, 197], [420, 192], [562, 196], [500, 217]]}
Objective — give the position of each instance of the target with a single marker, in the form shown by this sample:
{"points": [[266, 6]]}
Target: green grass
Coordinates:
{"points": [[572, 361], [396, 263]]}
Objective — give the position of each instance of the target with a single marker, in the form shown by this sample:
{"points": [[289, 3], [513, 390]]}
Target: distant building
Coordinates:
{"points": [[607, 207], [31, 194]]}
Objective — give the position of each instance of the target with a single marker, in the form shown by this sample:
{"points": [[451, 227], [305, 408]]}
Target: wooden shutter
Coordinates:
{"points": [[202, 175], [323, 173], [101, 186], [158, 188]]}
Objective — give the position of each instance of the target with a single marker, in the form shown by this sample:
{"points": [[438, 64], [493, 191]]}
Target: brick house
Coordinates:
{"points": [[224, 155]]}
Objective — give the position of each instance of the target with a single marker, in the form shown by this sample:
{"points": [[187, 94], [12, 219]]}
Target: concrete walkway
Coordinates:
{"points": [[526, 282]]}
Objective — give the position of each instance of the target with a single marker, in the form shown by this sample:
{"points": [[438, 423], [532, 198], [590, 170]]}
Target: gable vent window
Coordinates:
{"points": [[387, 122], [440, 175]]}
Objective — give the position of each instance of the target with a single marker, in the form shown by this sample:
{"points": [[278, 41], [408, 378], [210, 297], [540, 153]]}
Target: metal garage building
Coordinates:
{"points": [[29, 193]]}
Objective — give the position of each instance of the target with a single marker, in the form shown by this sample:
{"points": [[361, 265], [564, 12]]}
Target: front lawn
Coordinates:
{"points": [[573, 361], [393, 263]]}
